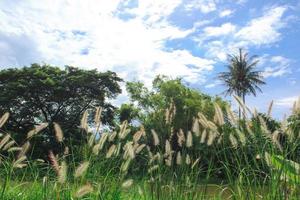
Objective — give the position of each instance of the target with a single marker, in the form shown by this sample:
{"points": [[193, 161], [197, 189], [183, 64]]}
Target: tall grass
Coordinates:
{"points": [[227, 158]]}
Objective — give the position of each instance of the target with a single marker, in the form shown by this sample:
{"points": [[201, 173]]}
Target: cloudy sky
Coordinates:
{"points": [[142, 38]]}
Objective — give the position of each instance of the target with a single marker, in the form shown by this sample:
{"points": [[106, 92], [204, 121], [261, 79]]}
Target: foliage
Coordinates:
{"points": [[43, 93], [242, 78]]}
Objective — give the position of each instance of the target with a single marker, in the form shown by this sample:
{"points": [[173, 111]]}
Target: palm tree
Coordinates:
{"points": [[242, 78]]}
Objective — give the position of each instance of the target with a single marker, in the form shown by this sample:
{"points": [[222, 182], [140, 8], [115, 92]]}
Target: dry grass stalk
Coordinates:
{"points": [[189, 139], [3, 119], [127, 184], [155, 137], [62, 173], [195, 163], [81, 169], [84, 190], [111, 151], [58, 132]]}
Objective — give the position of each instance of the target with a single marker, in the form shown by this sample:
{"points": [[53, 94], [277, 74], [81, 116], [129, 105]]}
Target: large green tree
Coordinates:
{"points": [[43, 93], [169, 98], [241, 77]]}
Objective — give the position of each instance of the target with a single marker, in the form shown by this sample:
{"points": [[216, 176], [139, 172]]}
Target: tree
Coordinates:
{"points": [[43, 93], [170, 99], [242, 78]]}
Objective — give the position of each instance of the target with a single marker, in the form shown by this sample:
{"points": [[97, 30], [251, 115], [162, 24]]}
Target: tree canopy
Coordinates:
{"points": [[44, 93]]}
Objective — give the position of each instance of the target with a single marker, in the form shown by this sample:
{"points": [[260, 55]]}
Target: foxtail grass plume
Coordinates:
{"points": [[180, 137], [84, 190], [155, 137], [4, 140], [178, 158], [84, 121], [129, 151], [123, 130], [111, 151], [8, 145], [127, 184], [203, 136], [12, 149], [112, 136], [139, 148], [168, 149], [211, 137], [81, 169], [196, 127], [153, 168], [231, 116], [53, 161], [58, 132], [168, 160], [3, 119], [137, 136], [270, 108], [97, 118], [242, 137], [19, 162], [233, 141], [188, 159], [219, 114], [25, 148], [36, 130], [62, 173], [189, 139], [125, 165]]}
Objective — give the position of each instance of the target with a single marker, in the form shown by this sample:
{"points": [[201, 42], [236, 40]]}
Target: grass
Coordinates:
{"points": [[225, 158]]}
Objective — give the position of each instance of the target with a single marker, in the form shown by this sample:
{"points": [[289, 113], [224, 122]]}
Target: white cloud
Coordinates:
{"points": [[215, 31], [204, 6], [265, 29], [287, 101], [226, 13], [90, 34], [277, 66]]}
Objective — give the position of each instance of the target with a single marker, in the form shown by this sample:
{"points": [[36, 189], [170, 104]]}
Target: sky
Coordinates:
{"points": [[140, 39]]}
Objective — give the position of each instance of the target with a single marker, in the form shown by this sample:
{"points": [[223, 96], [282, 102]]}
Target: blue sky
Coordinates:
{"points": [[140, 39]]}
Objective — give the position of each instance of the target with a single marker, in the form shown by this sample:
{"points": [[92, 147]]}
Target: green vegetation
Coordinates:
{"points": [[170, 142]]}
